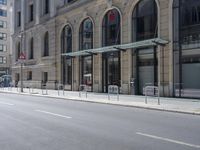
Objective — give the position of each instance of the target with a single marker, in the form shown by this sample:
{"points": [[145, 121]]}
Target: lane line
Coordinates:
{"points": [[3, 103], [168, 140], [53, 114]]}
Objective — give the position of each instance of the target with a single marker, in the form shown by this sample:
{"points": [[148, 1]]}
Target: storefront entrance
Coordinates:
{"points": [[86, 72], [111, 70], [146, 69]]}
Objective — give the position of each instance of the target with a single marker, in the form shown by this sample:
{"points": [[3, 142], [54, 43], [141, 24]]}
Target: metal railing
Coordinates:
{"points": [[153, 91], [113, 89]]}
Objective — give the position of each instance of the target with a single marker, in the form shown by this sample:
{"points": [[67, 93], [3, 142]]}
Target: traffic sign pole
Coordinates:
{"points": [[22, 57]]}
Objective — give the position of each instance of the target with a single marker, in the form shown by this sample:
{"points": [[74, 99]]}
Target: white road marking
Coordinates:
{"points": [[3, 103], [168, 140], [53, 114]]}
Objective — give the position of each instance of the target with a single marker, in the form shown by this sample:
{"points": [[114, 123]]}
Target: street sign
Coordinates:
{"points": [[22, 56]]}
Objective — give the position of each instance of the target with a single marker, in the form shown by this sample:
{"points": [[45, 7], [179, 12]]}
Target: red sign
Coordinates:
{"points": [[22, 56], [112, 16]]}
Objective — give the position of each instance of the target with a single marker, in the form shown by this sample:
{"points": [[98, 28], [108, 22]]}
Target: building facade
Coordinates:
{"points": [[5, 34], [130, 43]]}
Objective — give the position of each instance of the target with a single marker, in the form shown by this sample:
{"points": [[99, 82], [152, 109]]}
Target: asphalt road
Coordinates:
{"points": [[36, 123]]}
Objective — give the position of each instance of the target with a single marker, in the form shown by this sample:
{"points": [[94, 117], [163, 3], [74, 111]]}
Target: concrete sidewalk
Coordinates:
{"points": [[180, 105]]}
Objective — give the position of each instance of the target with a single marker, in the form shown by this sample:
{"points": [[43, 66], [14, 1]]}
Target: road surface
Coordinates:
{"points": [[39, 123]]}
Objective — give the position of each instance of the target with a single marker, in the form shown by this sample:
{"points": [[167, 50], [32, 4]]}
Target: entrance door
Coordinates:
{"points": [[111, 70], [146, 69], [86, 69]]}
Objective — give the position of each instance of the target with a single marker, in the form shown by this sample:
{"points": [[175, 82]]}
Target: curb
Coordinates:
{"points": [[106, 103]]}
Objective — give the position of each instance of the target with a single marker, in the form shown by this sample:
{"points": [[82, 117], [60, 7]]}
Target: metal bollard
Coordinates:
{"points": [[58, 89]]}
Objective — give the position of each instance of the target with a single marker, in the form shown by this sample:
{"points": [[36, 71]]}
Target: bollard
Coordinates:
{"points": [[84, 90], [63, 89], [44, 88]]}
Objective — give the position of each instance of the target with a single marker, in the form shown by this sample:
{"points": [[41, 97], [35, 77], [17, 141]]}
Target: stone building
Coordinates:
{"points": [[129, 43], [5, 34]]}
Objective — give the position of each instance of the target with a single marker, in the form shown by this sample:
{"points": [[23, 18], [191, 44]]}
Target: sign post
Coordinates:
{"points": [[21, 60]]}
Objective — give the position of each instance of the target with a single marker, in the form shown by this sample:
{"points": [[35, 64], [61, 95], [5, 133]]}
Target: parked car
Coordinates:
{"points": [[6, 80]]}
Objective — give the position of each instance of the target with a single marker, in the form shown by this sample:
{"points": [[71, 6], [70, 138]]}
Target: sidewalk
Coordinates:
{"points": [[180, 105]]}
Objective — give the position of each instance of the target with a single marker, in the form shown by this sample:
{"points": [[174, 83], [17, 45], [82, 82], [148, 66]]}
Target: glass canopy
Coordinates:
{"points": [[122, 47]]}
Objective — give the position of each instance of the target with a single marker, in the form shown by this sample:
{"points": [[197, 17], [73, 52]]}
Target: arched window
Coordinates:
{"points": [[111, 28], [66, 47], [46, 44], [86, 42], [111, 35], [31, 51], [145, 20], [18, 51], [86, 35], [66, 39]]}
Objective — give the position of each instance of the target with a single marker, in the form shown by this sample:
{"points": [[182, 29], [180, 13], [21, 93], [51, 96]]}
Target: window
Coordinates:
{"points": [[186, 36], [111, 28], [111, 35], [19, 18], [46, 44], [66, 39], [31, 12], [3, 13], [188, 14], [66, 47], [144, 21], [3, 2], [86, 35], [69, 1], [2, 60], [3, 24], [31, 52], [46, 6], [3, 36], [3, 48], [29, 75], [86, 42]]}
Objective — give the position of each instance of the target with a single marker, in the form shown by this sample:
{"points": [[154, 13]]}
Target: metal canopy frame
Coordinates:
{"points": [[122, 47]]}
